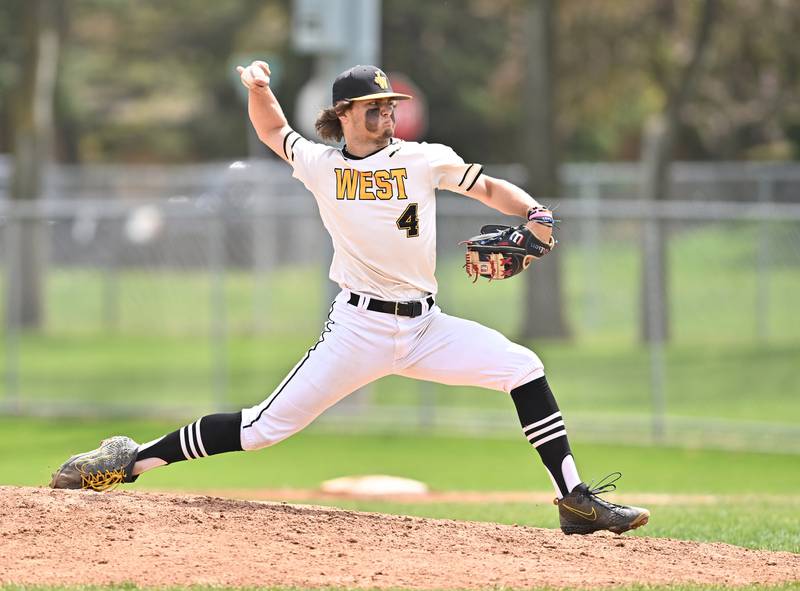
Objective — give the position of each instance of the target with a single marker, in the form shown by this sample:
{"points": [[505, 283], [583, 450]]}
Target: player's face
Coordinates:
{"points": [[375, 117]]}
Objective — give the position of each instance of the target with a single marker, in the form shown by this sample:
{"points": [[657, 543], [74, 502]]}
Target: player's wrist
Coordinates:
{"points": [[540, 217], [536, 211]]}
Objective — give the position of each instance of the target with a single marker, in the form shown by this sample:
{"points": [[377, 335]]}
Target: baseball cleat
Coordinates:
{"points": [[101, 469], [583, 512]]}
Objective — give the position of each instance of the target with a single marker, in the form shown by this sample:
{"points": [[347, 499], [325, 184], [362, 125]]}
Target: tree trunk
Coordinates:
{"points": [[654, 315], [657, 145], [544, 310], [33, 122]]}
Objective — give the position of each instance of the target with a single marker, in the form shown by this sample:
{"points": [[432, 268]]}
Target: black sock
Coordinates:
{"points": [[543, 426], [207, 436]]}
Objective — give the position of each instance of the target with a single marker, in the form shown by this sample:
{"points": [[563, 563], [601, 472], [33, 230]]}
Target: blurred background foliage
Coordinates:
{"points": [[151, 81]]}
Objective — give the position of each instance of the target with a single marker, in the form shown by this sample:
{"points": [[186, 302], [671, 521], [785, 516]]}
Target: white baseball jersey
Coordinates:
{"points": [[380, 210]]}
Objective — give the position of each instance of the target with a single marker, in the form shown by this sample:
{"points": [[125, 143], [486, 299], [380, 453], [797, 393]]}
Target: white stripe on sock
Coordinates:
{"points": [[190, 437], [561, 433], [535, 434], [543, 421], [198, 439], [183, 445]]}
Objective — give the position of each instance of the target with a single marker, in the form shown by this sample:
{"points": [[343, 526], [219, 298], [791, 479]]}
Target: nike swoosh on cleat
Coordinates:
{"points": [[590, 516]]}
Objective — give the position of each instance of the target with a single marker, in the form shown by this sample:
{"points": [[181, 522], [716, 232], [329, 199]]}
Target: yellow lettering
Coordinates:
{"points": [[384, 191], [366, 183], [381, 80], [346, 183], [399, 175]]}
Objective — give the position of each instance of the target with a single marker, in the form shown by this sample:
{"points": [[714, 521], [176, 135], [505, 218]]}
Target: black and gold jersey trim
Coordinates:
{"points": [[291, 148], [471, 176], [349, 156], [289, 154]]}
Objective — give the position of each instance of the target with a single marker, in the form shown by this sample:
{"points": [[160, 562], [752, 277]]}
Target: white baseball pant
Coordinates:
{"points": [[358, 346]]}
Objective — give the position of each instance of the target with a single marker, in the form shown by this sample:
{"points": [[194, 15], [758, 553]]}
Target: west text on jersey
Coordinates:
{"points": [[368, 185]]}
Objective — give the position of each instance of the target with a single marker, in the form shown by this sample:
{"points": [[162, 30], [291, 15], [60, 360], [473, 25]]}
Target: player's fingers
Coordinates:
{"points": [[263, 65], [246, 76], [258, 76]]}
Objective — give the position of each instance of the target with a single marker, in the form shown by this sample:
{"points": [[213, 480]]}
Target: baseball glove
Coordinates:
{"points": [[500, 252]]}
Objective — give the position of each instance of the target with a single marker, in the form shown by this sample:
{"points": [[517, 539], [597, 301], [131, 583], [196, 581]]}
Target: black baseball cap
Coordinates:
{"points": [[361, 83]]}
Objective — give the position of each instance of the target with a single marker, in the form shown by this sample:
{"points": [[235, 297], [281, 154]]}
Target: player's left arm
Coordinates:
{"points": [[501, 195], [451, 173]]}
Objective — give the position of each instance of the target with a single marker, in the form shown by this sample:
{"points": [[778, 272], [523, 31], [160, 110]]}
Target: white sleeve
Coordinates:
{"points": [[449, 171], [304, 156]]}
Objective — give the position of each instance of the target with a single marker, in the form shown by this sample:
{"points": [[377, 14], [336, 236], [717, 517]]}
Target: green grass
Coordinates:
{"points": [[31, 448], [151, 346], [713, 286], [745, 382]]}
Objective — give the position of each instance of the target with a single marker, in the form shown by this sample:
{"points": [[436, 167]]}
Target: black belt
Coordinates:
{"points": [[412, 309]]}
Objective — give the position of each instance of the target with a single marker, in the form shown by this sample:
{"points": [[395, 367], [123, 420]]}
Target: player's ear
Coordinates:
{"points": [[342, 109]]}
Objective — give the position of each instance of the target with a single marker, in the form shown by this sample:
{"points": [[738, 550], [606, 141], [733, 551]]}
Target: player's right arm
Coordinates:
{"points": [[264, 109]]}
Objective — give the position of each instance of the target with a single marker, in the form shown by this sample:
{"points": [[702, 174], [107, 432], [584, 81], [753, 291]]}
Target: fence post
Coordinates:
{"points": [[218, 309], [653, 306], [427, 406], [12, 314], [110, 268], [590, 195], [765, 195], [264, 237]]}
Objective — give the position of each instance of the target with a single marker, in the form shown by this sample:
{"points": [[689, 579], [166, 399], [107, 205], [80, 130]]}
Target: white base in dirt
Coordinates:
{"points": [[374, 485]]}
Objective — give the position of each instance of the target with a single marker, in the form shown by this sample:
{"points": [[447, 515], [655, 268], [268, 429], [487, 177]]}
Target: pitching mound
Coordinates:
{"points": [[77, 537]]}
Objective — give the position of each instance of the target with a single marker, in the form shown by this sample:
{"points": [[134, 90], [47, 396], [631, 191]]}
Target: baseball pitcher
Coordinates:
{"points": [[377, 199]]}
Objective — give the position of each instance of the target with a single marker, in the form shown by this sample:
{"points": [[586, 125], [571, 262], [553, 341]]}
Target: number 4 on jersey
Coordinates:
{"points": [[409, 221]]}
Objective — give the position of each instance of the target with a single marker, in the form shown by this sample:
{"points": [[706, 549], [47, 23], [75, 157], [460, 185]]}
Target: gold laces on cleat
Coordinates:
{"points": [[102, 481]]}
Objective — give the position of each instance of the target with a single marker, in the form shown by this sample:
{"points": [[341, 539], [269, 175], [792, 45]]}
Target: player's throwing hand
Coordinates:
{"points": [[255, 76]]}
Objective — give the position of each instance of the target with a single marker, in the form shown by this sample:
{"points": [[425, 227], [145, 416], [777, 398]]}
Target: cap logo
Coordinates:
{"points": [[381, 80]]}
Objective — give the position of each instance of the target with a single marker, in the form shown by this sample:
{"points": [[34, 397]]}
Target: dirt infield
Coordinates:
{"points": [[77, 537], [475, 497]]}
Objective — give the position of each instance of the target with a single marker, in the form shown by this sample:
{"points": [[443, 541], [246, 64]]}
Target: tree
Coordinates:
{"points": [[745, 104], [544, 310], [659, 139], [32, 109]]}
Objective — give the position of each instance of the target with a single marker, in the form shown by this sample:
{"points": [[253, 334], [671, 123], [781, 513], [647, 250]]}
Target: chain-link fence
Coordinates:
{"points": [[205, 297]]}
